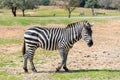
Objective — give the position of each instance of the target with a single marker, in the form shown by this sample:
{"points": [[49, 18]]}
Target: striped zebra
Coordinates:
{"points": [[61, 39]]}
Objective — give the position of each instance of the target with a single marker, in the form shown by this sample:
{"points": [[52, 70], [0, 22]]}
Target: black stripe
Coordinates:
{"points": [[31, 43], [32, 39], [51, 36], [45, 29], [56, 38], [45, 40], [31, 33], [41, 31], [42, 42]]}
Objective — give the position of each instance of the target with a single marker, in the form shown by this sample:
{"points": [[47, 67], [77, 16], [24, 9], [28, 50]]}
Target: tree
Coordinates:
{"points": [[82, 3], [11, 4], [117, 5], [19, 4], [44, 2], [1, 2], [91, 4], [28, 4], [105, 3], [70, 6]]}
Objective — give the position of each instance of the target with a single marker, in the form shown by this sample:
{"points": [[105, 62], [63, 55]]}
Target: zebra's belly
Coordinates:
{"points": [[49, 45]]}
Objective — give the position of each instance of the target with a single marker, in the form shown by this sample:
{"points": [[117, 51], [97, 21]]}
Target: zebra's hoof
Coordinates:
{"points": [[66, 69], [57, 70], [34, 70], [25, 69]]}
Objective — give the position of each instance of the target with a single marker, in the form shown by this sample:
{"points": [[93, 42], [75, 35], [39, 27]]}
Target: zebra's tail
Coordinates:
{"points": [[24, 48]]}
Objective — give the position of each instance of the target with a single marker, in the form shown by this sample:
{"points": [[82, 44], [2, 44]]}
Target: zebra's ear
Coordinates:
{"points": [[91, 24]]}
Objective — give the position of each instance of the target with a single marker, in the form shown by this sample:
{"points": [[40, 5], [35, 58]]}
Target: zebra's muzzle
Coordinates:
{"points": [[90, 43]]}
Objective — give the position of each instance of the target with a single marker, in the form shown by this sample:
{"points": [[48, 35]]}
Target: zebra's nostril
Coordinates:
{"points": [[90, 43]]}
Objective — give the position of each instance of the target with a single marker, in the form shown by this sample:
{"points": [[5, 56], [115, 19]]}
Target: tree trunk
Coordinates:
{"points": [[23, 11], [69, 14], [14, 11], [93, 12]]}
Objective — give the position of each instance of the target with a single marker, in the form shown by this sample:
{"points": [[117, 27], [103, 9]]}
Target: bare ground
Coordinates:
{"points": [[104, 54]]}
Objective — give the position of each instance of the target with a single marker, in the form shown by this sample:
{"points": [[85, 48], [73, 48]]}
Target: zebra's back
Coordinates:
{"points": [[46, 38]]}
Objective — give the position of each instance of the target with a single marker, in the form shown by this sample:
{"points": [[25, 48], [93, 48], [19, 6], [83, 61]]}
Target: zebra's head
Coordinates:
{"points": [[87, 33]]}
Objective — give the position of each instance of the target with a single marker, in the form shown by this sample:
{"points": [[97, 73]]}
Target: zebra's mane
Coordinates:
{"points": [[71, 25], [82, 23]]}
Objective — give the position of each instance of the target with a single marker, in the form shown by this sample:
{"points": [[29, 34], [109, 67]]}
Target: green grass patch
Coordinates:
{"points": [[7, 62], [48, 11], [41, 56], [14, 78], [45, 52], [24, 21], [11, 59], [9, 41], [10, 64], [6, 76], [87, 75], [3, 73], [2, 64]]}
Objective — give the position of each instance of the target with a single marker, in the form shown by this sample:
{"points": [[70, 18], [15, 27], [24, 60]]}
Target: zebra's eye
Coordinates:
{"points": [[86, 32]]}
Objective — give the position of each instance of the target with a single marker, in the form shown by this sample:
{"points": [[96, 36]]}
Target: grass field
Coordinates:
{"points": [[25, 21], [105, 32], [40, 16]]}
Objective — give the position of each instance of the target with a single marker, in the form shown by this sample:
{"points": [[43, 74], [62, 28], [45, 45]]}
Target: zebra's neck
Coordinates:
{"points": [[73, 34]]}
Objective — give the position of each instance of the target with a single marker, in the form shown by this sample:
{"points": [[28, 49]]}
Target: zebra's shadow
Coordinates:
{"points": [[82, 70], [94, 70]]}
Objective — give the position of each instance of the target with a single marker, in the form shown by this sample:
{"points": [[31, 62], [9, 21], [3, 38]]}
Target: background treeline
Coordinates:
{"points": [[67, 4], [106, 4]]}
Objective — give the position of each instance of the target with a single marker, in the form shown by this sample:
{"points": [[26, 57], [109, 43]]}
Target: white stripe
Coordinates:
{"points": [[31, 41], [30, 36], [44, 31]]}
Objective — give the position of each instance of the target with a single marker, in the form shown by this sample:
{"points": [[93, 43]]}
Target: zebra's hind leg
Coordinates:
{"points": [[31, 52], [32, 65], [25, 63]]}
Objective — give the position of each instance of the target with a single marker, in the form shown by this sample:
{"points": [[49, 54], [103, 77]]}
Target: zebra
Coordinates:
{"points": [[61, 39]]}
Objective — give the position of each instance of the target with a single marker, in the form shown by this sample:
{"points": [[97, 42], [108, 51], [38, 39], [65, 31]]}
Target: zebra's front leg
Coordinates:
{"points": [[62, 54], [64, 66]]}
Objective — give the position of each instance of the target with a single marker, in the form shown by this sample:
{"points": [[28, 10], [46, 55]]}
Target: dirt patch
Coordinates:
{"points": [[10, 48], [105, 53], [11, 32], [56, 25], [17, 32]]}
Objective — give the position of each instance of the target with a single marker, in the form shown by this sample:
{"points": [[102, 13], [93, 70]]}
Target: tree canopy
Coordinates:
{"points": [[44, 2], [82, 3], [91, 3]]}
